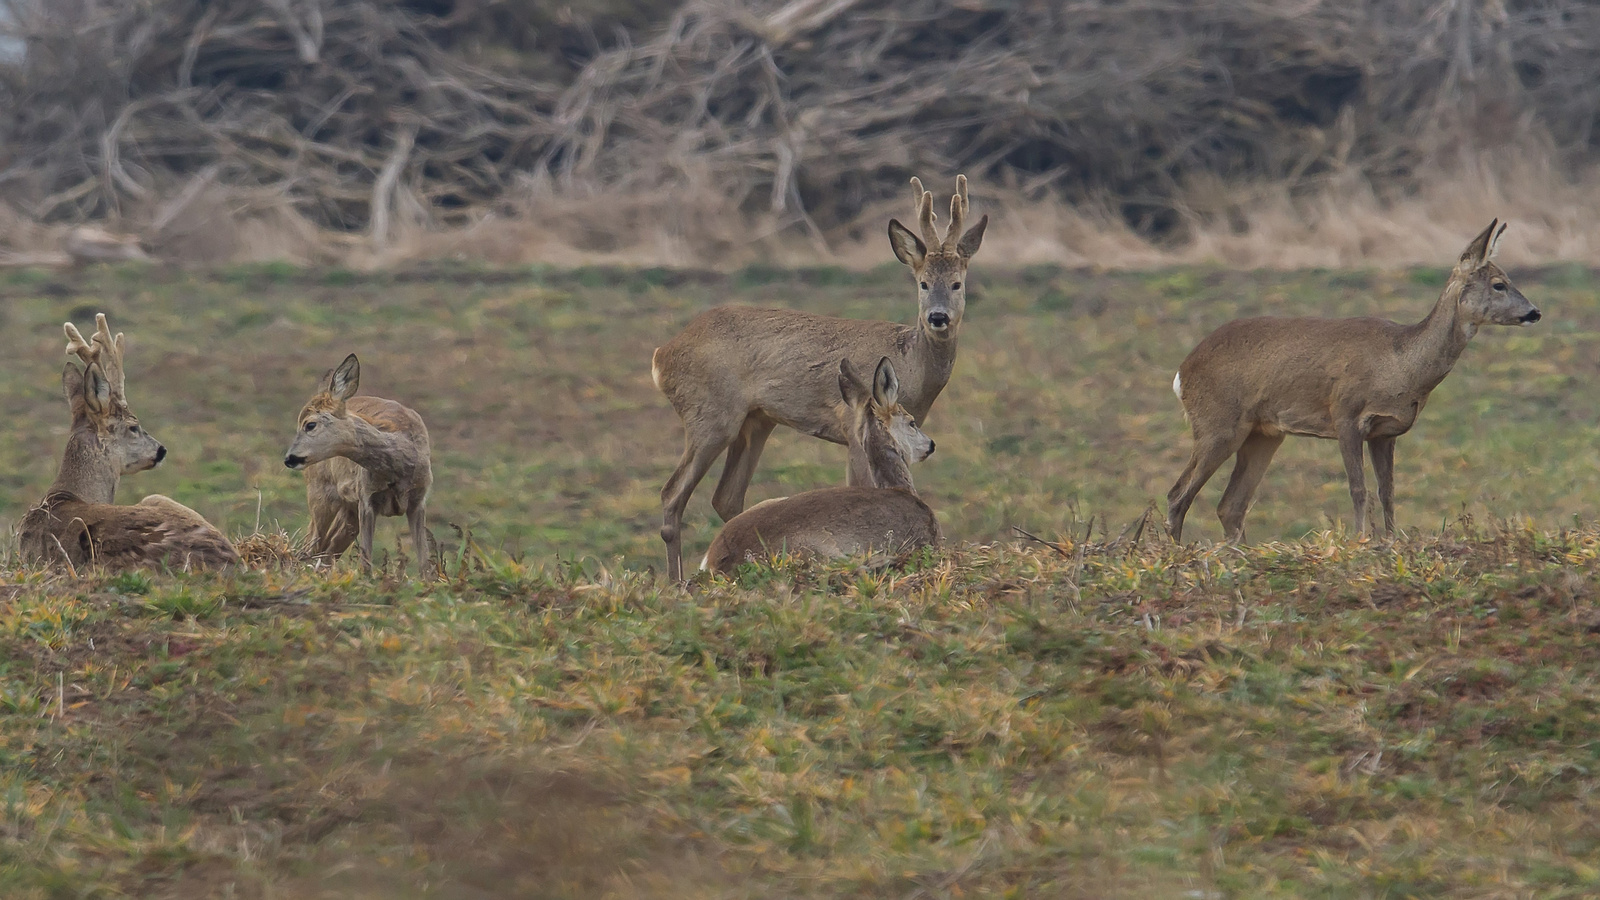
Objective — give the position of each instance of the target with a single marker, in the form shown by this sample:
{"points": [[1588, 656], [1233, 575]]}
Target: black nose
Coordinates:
{"points": [[930, 448], [294, 462], [161, 453], [1532, 317], [938, 319]]}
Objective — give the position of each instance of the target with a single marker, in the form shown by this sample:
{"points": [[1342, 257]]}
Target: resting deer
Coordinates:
{"points": [[364, 457], [77, 523], [734, 373], [1253, 381], [878, 511]]}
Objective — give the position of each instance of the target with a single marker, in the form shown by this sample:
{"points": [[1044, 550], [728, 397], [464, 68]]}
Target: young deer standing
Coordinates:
{"points": [[1253, 381], [734, 372], [77, 523], [364, 457], [878, 511]]}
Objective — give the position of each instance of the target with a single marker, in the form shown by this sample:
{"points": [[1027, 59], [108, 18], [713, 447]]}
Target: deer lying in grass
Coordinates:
{"points": [[363, 457], [878, 511], [77, 523], [734, 373], [1253, 381]]}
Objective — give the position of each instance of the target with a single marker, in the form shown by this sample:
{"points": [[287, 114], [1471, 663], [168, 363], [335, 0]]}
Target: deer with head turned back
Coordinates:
{"points": [[734, 373], [78, 522], [878, 511], [363, 457], [1361, 380]]}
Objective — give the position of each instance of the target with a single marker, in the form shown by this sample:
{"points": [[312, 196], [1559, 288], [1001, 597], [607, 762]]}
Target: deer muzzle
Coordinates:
{"points": [[938, 320], [294, 461], [1531, 317]]}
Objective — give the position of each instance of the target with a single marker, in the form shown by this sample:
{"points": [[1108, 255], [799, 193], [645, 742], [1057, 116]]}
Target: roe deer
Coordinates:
{"points": [[77, 523], [1253, 381], [878, 511], [364, 457], [736, 372]]}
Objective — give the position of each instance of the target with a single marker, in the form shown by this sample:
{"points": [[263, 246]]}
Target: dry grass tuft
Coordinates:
{"points": [[269, 550]]}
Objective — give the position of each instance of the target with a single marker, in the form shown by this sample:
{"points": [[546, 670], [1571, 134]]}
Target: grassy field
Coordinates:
{"points": [[1111, 716], [550, 439]]}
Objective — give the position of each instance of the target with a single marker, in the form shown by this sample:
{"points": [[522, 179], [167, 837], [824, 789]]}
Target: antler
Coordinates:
{"points": [[930, 235], [102, 349], [958, 214]]}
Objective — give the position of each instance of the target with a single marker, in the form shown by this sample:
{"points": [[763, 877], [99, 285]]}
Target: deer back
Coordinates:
{"points": [[158, 532], [829, 523]]}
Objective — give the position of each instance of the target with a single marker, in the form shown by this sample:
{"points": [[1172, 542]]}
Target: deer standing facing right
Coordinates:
{"points": [[78, 523], [736, 372], [879, 510], [363, 457], [1253, 381]]}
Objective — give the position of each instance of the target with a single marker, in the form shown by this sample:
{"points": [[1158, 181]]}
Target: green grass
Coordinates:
{"points": [[1317, 719], [1308, 716]]}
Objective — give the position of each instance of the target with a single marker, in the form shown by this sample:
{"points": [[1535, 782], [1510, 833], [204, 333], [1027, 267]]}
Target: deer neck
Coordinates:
{"points": [[388, 456], [873, 464], [87, 470], [928, 362], [1432, 346]]}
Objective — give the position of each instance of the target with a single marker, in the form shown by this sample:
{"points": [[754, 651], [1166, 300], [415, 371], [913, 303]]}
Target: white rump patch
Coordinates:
{"points": [[1177, 386], [705, 560], [655, 373]]}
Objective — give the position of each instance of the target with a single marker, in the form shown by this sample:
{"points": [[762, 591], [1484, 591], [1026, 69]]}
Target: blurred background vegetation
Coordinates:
{"points": [[711, 130]]}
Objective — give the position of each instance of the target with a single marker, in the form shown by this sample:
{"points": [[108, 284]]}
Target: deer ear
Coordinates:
{"points": [[1477, 252], [345, 379], [908, 248], [885, 384], [72, 386], [96, 390], [851, 387], [972, 239]]}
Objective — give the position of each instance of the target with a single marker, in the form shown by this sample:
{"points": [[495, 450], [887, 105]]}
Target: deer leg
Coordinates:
{"points": [[366, 523], [1354, 470], [1250, 464], [1208, 454], [743, 454], [1382, 450], [417, 518], [332, 531], [697, 459]]}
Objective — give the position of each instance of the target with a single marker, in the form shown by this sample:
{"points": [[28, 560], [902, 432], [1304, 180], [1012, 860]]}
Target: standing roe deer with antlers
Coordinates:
{"points": [[878, 511], [78, 523], [1253, 381], [735, 372], [364, 457]]}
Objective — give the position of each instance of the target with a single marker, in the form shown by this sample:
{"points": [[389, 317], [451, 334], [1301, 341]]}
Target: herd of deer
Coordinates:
{"points": [[735, 373]]}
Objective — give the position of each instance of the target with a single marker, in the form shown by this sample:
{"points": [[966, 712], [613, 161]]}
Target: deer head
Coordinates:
{"points": [[939, 263], [104, 428], [1487, 296], [324, 424], [884, 438]]}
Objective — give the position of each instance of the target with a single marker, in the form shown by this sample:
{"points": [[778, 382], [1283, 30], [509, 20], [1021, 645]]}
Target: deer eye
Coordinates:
{"points": [[311, 426], [1499, 286], [955, 286], [133, 429]]}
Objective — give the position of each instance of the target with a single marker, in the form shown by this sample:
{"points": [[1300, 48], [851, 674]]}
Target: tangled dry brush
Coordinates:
{"points": [[717, 119]]}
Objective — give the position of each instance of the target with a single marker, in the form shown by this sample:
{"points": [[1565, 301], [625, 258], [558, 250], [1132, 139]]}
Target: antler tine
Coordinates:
{"points": [[930, 235], [76, 344], [958, 215], [110, 356], [916, 191]]}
